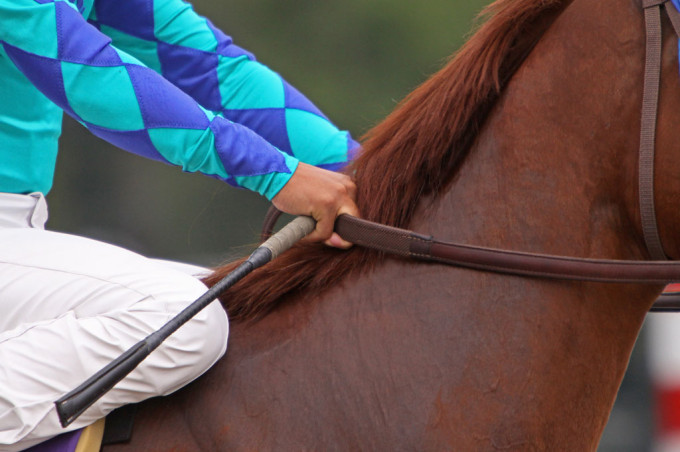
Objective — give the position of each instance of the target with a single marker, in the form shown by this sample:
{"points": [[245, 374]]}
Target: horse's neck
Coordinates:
{"points": [[435, 357], [555, 168], [554, 171]]}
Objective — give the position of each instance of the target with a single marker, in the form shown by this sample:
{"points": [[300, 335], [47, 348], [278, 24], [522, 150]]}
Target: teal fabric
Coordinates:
{"points": [[30, 125], [314, 138], [90, 106], [193, 144], [36, 19], [145, 51], [246, 92], [248, 85], [270, 183], [176, 22]]}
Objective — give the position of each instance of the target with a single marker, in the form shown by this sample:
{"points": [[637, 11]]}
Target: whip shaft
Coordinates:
{"points": [[73, 404]]}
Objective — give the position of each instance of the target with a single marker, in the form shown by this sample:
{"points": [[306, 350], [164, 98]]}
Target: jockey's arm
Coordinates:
{"points": [[120, 99], [193, 54]]}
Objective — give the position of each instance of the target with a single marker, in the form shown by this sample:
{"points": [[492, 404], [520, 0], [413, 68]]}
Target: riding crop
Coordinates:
{"points": [[73, 404]]}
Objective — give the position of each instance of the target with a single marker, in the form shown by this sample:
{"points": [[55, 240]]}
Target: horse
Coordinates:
{"points": [[525, 140]]}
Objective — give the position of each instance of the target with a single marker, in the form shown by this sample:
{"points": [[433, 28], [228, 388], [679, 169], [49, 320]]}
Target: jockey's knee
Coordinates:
{"points": [[196, 345], [211, 328]]}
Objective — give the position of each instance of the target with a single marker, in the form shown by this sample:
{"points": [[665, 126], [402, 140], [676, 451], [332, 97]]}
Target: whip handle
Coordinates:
{"points": [[289, 235]]}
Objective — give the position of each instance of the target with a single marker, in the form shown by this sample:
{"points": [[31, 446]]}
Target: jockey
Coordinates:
{"points": [[158, 80]]}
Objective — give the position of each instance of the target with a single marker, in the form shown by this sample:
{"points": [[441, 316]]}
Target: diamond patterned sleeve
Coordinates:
{"points": [[192, 53], [120, 99]]}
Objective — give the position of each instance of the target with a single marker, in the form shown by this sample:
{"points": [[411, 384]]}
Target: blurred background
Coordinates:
{"points": [[355, 59]]}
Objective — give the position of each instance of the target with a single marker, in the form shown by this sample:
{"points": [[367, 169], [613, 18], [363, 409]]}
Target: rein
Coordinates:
{"points": [[409, 244]]}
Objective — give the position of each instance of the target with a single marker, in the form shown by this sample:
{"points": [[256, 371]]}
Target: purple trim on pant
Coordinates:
{"points": [[66, 442]]}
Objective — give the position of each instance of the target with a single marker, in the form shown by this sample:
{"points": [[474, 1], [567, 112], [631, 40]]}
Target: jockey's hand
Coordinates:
{"points": [[321, 194]]}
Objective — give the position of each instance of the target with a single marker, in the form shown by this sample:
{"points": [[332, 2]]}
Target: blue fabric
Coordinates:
{"points": [[91, 48], [190, 74], [35, 68], [80, 5], [224, 78], [269, 123], [134, 18], [135, 139], [236, 155], [162, 105]]}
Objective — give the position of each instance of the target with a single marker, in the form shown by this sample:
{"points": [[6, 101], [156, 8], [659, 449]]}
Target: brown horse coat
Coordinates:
{"points": [[355, 351]]}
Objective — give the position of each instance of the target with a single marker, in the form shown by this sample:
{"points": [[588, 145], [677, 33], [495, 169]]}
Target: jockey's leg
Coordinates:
{"points": [[68, 306]]}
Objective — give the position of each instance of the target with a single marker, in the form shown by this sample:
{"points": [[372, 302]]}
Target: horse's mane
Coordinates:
{"points": [[413, 153]]}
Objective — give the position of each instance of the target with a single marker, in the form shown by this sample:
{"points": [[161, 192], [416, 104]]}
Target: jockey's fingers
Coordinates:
{"points": [[325, 215], [321, 194], [324, 229], [349, 208], [325, 219]]}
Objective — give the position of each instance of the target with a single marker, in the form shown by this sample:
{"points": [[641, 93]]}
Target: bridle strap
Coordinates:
{"points": [[270, 219], [650, 100], [672, 12], [409, 244]]}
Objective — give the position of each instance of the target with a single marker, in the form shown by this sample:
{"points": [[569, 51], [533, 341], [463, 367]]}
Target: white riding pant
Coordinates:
{"points": [[70, 305]]}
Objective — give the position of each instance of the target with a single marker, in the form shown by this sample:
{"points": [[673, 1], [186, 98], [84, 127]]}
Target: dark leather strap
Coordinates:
{"points": [[409, 244], [270, 219], [650, 100], [119, 423]]}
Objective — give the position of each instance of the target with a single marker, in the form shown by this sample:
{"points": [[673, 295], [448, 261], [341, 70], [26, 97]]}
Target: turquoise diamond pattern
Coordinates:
{"points": [[93, 108], [164, 109]]}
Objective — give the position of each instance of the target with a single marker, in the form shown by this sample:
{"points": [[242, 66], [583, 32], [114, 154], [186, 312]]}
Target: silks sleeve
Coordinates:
{"points": [[123, 101], [200, 59]]}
